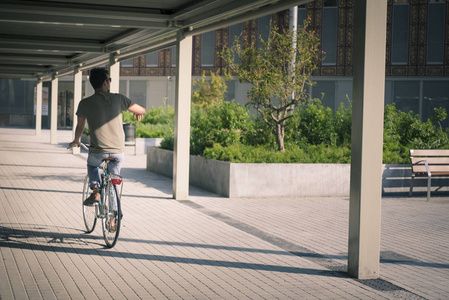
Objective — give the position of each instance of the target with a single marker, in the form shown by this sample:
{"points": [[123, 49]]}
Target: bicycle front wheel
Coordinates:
{"points": [[112, 217], [89, 212]]}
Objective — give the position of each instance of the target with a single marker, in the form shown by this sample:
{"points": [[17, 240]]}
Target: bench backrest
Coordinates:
{"points": [[437, 160]]}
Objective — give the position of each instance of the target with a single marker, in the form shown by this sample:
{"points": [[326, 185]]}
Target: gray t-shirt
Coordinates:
{"points": [[103, 112]]}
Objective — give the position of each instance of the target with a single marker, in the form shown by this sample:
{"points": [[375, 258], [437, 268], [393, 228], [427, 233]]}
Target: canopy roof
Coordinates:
{"points": [[51, 38]]}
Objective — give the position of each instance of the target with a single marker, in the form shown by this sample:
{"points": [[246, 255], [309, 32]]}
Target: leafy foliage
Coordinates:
{"points": [[209, 92], [404, 131], [157, 122], [223, 124]]}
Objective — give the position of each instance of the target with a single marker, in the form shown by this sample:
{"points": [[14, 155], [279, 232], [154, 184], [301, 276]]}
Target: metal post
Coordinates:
{"points": [[77, 94], [39, 108], [54, 111], [370, 19]]}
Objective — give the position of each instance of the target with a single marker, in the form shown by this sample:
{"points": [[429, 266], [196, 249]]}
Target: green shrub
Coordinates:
{"points": [[405, 131], [239, 153], [223, 123], [156, 123], [317, 135], [168, 143], [315, 122]]}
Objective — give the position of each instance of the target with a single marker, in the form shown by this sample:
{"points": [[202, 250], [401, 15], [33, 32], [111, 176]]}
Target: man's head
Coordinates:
{"points": [[98, 76]]}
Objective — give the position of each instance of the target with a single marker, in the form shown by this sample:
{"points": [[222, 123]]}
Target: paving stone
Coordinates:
{"points": [[208, 247]]}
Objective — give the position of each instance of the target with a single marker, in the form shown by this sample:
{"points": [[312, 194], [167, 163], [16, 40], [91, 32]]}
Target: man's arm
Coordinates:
{"points": [[78, 132], [138, 111]]}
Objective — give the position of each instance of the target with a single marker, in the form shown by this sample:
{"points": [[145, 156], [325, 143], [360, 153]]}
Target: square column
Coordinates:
{"points": [[114, 73], [77, 94], [181, 157], [54, 111], [39, 108], [370, 20]]}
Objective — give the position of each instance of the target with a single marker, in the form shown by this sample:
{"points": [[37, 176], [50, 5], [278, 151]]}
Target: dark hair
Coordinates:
{"points": [[97, 77]]}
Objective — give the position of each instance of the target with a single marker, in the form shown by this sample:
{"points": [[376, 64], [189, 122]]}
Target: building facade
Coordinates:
{"points": [[416, 79]]}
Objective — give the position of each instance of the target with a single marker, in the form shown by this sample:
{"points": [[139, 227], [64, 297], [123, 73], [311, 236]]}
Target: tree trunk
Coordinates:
{"points": [[280, 137]]}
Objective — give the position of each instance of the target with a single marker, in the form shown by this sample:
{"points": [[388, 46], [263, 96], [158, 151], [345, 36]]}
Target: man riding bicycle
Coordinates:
{"points": [[103, 113]]}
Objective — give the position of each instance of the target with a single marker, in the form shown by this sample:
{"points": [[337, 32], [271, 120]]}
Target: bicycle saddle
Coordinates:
{"points": [[109, 159]]}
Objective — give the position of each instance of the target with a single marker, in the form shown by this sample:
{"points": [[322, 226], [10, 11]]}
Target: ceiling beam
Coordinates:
{"points": [[35, 59], [110, 21]]}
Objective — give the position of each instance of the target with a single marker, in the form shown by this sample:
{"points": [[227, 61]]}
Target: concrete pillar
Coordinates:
{"points": [[183, 93], [54, 111], [114, 73], [39, 108], [370, 19], [77, 94]]}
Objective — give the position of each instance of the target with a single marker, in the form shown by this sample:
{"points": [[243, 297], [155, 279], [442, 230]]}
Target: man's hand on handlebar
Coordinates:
{"points": [[75, 144]]}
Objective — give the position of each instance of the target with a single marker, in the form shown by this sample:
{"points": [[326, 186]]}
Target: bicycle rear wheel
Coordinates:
{"points": [[89, 212], [113, 216]]}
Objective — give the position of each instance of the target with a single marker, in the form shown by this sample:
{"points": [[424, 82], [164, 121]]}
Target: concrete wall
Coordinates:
{"points": [[285, 180], [289, 180]]}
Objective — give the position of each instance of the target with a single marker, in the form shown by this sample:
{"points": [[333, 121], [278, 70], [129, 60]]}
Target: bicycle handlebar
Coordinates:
{"points": [[82, 145]]}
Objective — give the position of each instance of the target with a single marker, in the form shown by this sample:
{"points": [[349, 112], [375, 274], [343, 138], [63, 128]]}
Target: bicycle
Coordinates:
{"points": [[109, 208]]}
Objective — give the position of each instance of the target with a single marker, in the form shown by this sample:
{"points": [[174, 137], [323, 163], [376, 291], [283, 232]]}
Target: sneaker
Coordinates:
{"points": [[93, 198]]}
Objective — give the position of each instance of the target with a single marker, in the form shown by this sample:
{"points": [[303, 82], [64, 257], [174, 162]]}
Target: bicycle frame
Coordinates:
{"points": [[106, 179]]}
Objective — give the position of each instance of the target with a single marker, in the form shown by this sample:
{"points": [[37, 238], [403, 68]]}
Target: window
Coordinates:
{"points": [[301, 15], [208, 49], [152, 59], [329, 33], [263, 28], [406, 95], [138, 91], [400, 33], [435, 94], [129, 63], [123, 87], [325, 91], [235, 32], [435, 33], [173, 57]]}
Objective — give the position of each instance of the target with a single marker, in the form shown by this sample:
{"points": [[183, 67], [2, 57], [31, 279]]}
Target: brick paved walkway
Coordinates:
{"points": [[205, 248]]}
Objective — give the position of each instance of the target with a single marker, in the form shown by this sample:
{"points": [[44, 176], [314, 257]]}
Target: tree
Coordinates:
{"points": [[277, 85], [209, 92]]}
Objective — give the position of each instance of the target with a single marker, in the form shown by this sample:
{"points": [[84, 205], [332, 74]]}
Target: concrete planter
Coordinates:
{"points": [[283, 180]]}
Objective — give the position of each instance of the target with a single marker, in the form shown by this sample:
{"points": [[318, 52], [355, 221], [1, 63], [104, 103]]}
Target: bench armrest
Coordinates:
{"points": [[427, 168]]}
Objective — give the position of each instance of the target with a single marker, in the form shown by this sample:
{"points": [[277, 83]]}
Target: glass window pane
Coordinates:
{"points": [[123, 87], [400, 32], [235, 32], [435, 94], [325, 91], [406, 95], [173, 56], [129, 63], [329, 35], [152, 59], [4, 98], [138, 91], [263, 28], [435, 33], [208, 49], [301, 15]]}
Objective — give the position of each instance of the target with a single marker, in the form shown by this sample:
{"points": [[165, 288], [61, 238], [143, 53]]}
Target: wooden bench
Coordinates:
{"points": [[428, 163]]}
